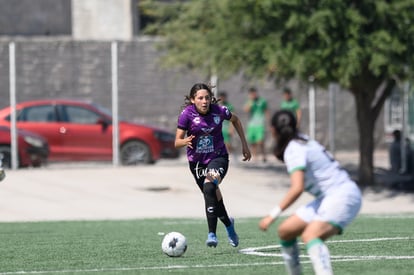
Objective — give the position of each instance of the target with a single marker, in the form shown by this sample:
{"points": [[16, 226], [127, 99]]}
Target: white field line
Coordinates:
{"points": [[388, 216], [243, 220], [249, 251], [252, 250]]}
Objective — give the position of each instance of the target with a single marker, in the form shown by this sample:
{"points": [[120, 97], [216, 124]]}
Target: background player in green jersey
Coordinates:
{"points": [[257, 108], [289, 103]]}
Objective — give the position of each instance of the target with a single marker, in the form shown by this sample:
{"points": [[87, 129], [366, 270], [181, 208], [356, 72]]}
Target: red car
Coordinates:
{"points": [[77, 130], [32, 148]]}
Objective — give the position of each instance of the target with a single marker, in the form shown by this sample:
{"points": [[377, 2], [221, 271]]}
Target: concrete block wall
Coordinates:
{"points": [[35, 17]]}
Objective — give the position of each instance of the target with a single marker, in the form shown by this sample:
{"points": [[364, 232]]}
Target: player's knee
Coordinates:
{"points": [[282, 233], [320, 230], [213, 177], [209, 189], [285, 233], [307, 237]]}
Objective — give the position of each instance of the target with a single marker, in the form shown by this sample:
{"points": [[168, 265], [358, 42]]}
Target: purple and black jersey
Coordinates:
{"points": [[208, 143]]}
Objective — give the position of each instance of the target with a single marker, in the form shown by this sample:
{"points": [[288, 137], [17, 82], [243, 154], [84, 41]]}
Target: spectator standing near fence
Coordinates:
{"points": [[395, 151], [395, 154], [257, 108], [291, 104]]}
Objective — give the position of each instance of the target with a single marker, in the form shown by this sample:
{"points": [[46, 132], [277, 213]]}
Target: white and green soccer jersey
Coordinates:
{"points": [[322, 172]]}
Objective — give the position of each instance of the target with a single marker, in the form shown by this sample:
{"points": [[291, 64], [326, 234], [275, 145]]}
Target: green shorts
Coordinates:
{"points": [[255, 134], [226, 137]]}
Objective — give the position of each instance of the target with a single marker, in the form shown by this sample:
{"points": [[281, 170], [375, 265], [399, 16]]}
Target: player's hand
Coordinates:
{"points": [[246, 153], [189, 141], [265, 223]]}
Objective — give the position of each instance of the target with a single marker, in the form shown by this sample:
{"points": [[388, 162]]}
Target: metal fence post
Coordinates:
{"points": [[115, 120], [312, 108], [13, 127], [333, 90]]}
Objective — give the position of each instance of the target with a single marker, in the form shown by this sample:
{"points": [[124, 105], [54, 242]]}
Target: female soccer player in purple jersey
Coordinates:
{"points": [[200, 129]]}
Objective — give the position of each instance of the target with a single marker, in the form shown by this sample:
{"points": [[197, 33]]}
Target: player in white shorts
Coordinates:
{"points": [[337, 197]]}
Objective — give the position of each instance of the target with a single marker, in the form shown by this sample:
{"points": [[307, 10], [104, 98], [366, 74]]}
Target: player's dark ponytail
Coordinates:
{"points": [[284, 123]]}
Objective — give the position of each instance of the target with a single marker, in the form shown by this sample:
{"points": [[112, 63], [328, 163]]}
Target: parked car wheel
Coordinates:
{"points": [[135, 152], [5, 154]]}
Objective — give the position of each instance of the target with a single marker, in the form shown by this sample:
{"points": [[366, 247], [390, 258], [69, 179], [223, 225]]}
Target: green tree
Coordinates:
{"points": [[366, 46]]}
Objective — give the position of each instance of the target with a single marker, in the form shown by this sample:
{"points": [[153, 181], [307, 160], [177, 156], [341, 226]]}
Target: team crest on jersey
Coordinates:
{"points": [[216, 119]]}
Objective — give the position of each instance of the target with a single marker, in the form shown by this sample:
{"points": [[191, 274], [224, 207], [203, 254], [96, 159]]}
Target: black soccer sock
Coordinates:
{"points": [[222, 213], [211, 203]]}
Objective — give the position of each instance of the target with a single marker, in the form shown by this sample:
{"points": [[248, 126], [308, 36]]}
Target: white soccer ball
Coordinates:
{"points": [[174, 244]]}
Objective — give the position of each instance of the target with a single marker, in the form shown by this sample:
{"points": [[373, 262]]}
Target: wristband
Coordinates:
{"points": [[275, 212]]}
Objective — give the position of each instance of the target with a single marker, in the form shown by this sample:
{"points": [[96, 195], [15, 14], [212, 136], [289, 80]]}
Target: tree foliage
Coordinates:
{"points": [[333, 40], [364, 45]]}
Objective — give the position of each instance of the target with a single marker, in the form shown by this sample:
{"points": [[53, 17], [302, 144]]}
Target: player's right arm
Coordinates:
{"points": [[181, 140], [297, 186]]}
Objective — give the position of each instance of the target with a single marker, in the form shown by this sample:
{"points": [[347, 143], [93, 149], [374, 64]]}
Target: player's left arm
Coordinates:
{"points": [[239, 129]]}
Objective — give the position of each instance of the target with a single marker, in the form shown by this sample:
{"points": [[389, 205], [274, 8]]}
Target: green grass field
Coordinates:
{"points": [[371, 245]]}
